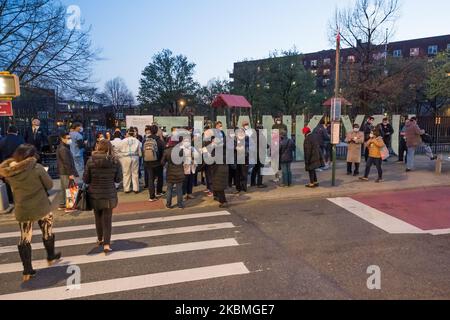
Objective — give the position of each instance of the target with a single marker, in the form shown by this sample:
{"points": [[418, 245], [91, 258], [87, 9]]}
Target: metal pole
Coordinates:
{"points": [[336, 94]]}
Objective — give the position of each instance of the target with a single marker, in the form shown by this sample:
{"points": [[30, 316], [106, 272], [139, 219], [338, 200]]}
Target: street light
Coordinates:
{"points": [[9, 86]]}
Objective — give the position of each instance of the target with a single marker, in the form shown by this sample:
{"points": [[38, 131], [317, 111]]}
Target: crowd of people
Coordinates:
{"points": [[120, 161]]}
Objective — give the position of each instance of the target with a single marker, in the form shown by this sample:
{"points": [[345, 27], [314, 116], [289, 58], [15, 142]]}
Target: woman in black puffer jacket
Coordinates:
{"points": [[101, 173]]}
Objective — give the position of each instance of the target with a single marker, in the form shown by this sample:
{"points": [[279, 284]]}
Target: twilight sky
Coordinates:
{"points": [[216, 33]]}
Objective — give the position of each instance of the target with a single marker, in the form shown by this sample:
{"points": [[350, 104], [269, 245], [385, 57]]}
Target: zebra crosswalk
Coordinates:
{"points": [[199, 237]]}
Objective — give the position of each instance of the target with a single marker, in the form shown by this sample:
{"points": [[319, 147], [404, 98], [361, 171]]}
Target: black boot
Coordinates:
{"points": [[349, 168], [49, 245], [25, 256]]}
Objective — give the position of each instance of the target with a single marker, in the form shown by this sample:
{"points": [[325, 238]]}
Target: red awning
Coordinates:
{"points": [[231, 101], [345, 102]]}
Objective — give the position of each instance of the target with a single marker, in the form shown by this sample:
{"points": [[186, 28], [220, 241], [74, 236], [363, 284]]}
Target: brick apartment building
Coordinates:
{"points": [[323, 64]]}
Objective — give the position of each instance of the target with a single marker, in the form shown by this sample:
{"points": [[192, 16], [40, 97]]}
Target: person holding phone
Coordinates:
{"points": [[355, 140]]}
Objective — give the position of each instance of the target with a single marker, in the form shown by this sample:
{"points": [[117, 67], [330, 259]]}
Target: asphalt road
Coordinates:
{"points": [[284, 250]]}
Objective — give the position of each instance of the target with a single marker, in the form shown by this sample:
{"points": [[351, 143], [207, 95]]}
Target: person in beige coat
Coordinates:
{"points": [[355, 140]]}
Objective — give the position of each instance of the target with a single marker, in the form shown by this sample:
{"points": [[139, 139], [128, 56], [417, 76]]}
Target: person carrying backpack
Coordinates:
{"points": [[152, 154]]}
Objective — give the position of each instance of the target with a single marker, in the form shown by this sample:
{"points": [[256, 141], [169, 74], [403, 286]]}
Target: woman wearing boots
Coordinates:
{"points": [[101, 174], [355, 140], [30, 184]]}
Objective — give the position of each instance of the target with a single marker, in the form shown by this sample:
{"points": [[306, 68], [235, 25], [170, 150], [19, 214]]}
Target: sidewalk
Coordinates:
{"points": [[394, 175]]}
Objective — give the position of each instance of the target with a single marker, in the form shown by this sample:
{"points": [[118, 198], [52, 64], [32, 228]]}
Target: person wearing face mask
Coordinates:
{"points": [[374, 145], [355, 140], [36, 136], [279, 125], [66, 167]]}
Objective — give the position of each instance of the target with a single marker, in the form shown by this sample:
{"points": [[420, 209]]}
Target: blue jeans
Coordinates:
{"points": [[179, 191], [411, 154], [287, 173], [79, 165]]}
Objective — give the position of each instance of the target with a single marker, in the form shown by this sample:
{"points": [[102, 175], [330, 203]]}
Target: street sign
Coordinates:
{"points": [[9, 85], [335, 133], [336, 109], [6, 109]]}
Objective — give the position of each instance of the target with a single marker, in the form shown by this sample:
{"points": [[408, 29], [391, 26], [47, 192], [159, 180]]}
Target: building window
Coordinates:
{"points": [[397, 53], [294, 83], [414, 52], [314, 72], [292, 65], [326, 72], [326, 82], [259, 69], [433, 50], [267, 86], [351, 59], [327, 61], [448, 46], [313, 63]]}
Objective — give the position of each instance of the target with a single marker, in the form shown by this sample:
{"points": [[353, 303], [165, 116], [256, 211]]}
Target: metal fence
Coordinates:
{"points": [[437, 127]]}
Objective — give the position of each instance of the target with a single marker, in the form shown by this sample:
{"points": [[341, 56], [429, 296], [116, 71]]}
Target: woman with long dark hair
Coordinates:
{"points": [[101, 173], [30, 184]]}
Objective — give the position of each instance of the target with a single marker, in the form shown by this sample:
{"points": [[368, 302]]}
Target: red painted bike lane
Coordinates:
{"points": [[427, 209]]}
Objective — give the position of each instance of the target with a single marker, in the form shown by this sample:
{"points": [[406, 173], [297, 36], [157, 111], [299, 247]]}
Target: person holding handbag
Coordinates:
{"points": [[66, 168], [30, 184], [102, 172]]}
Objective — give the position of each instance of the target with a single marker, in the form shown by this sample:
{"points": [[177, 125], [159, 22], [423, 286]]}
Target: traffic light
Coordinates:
{"points": [[9, 85]]}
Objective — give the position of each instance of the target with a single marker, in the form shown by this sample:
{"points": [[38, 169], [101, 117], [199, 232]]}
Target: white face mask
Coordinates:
{"points": [[68, 142], [81, 130], [356, 129], [246, 128], [372, 135]]}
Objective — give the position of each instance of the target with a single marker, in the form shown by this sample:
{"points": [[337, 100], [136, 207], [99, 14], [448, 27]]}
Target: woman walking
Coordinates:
{"points": [[355, 140], [101, 174], [374, 145], [30, 184]]}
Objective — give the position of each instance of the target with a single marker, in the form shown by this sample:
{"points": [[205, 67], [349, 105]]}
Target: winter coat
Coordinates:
{"points": [[413, 135], [354, 146], [313, 156], [287, 148], [374, 145], [387, 132], [219, 174], [367, 129], [322, 135], [39, 140], [64, 161], [175, 172], [9, 145], [30, 184], [101, 174], [161, 145]]}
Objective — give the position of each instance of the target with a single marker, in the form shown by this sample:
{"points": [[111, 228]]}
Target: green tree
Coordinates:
{"points": [[438, 82], [166, 80], [362, 27]]}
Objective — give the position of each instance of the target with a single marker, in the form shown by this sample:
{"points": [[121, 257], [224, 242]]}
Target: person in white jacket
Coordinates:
{"points": [[129, 151]]}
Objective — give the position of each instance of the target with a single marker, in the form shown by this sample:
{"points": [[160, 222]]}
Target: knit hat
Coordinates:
{"points": [[306, 130]]}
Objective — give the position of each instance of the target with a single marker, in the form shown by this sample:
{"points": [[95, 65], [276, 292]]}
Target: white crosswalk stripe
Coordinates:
{"points": [[128, 236], [128, 223], [133, 283], [145, 281]]}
